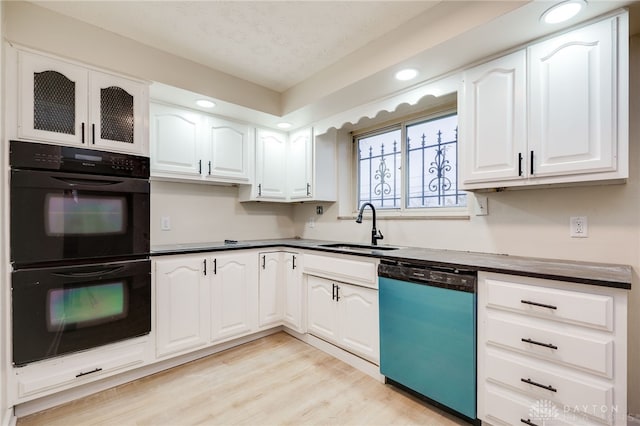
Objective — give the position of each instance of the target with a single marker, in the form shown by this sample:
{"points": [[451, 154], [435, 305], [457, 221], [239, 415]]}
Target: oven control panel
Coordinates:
{"points": [[37, 156]]}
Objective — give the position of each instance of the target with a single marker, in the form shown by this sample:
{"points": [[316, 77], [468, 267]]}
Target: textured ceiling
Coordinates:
{"points": [[276, 44]]}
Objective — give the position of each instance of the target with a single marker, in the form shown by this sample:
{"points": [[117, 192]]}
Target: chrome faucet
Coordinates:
{"points": [[375, 234]]}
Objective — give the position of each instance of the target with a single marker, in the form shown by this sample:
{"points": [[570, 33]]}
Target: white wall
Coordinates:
{"points": [[207, 213], [532, 222]]}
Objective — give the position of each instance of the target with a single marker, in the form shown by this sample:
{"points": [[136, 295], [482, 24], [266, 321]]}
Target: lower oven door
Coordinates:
{"points": [[66, 309]]}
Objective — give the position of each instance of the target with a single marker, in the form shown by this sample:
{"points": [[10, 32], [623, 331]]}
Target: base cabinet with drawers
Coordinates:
{"points": [[550, 352]]}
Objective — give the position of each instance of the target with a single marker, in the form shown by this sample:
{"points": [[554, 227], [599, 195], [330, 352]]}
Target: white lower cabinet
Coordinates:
{"points": [[344, 314], [550, 352], [182, 303], [280, 291], [202, 299], [234, 295]]}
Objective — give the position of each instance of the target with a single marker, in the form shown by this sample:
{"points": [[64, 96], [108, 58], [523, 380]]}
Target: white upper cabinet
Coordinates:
{"points": [[64, 103], [271, 165], [553, 113], [175, 147], [189, 145], [227, 150], [300, 164], [293, 167], [572, 101], [494, 114]]}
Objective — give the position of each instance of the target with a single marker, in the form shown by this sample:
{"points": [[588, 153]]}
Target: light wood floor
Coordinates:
{"points": [[276, 380]]}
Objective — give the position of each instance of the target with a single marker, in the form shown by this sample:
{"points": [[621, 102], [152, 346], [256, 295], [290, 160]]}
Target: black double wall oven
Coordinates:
{"points": [[79, 248]]}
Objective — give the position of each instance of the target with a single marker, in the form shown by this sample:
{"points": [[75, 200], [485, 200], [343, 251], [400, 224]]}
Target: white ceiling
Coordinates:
{"points": [[276, 44]]}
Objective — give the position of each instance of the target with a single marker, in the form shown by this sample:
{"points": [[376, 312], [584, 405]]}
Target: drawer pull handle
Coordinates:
{"points": [[546, 345], [88, 372], [531, 382], [542, 305], [528, 422]]}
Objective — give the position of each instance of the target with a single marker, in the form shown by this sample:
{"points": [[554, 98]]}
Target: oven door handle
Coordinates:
{"points": [[87, 182], [104, 271]]}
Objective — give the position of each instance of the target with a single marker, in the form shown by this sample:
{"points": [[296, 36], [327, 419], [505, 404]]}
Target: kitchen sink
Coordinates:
{"points": [[358, 247]]}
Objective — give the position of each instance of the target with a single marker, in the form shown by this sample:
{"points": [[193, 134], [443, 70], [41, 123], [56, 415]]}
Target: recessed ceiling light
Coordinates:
{"points": [[562, 11], [406, 74], [205, 103], [284, 125]]}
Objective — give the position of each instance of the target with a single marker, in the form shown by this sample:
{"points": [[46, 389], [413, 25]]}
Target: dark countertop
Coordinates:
{"points": [[600, 274]]}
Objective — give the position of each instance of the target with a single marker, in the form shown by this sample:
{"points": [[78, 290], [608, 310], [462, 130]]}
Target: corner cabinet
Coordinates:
{"points": [[64, 103], [280, 290], [551, 351], [555, 112], [293, 167], [187, 145]]}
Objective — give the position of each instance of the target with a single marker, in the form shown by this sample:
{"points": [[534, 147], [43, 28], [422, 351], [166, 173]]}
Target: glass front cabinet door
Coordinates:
{"points": [[64, 103]]}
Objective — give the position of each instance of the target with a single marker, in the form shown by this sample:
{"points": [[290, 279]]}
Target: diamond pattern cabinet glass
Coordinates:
{"points": [[271, 165], [300, 164], [182, 304], [234, 295], [175, 142], [227, 150], [270, 291], [117, 110], [573, 101], [493, 120], [52, 100]]}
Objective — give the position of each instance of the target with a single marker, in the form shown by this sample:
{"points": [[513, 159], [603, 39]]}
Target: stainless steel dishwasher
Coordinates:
{"points": [[428, 332]]}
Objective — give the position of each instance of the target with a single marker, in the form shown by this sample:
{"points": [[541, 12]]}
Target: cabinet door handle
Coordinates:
{"points": [[531, 382], [528, 302], [308, 189], [333, 291], [528, 422], [209, 168], [546, 345], [95, 370], [82, 127], [200, 166], [215, 266], [294, 263], [259, 190], [93, 133], [204, 262], [519, 164], [531, 163], [337, 292], [264, 262]]}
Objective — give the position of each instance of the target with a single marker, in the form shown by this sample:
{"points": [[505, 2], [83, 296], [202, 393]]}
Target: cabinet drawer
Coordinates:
{"points": [[590, 353], [586, 309], [503, 407], [76, 369], [342, 268], [581, 395]]}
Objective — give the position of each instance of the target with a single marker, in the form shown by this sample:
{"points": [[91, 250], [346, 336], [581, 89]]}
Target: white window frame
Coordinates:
{"points": [[403, 212]]}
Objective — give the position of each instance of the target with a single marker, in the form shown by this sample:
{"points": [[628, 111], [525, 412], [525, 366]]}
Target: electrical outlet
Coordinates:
{"points": [[319, 210], [165, 223], [578, 227]]}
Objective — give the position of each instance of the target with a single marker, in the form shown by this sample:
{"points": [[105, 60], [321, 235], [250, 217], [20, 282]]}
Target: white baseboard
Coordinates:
{"points": [[8, 418], [355, 361]]}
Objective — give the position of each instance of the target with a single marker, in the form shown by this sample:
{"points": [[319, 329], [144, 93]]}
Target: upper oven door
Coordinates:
{"points": [[67, 216]]}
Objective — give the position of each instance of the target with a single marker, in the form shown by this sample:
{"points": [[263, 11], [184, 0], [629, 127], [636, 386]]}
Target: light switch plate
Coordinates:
{"points": [[481, 205], [165, 223]]}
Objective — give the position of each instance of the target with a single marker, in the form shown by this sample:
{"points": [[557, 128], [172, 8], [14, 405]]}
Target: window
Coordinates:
{"points": [[410, 166]]}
